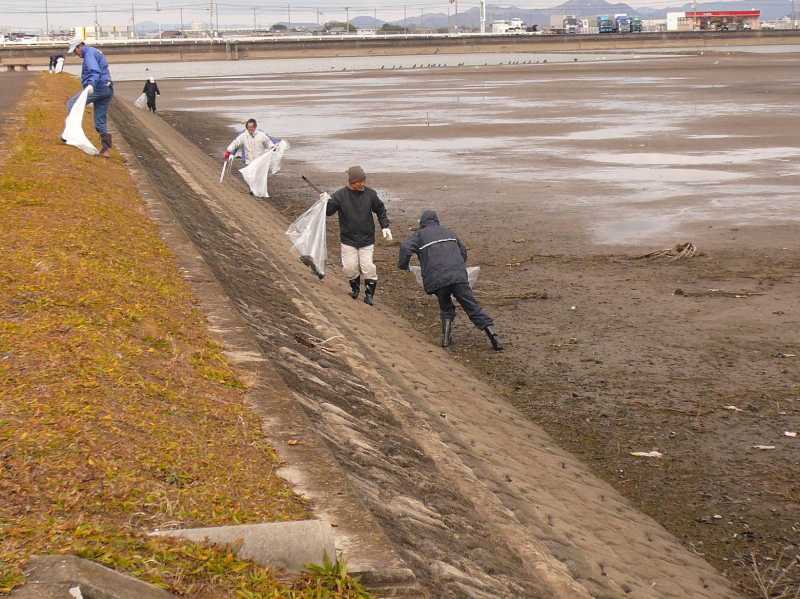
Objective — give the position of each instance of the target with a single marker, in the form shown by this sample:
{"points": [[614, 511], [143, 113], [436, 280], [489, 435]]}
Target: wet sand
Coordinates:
{"points": [[556, 176]]}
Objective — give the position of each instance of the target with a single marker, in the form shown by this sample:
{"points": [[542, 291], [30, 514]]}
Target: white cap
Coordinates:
{"points": [[74, 44]]}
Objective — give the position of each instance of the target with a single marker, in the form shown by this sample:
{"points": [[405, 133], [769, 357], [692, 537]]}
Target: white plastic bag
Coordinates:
{"points": [[141, 102], [73, 134], [59, 65], [307, 235], [472, 274], [279, 150], [256, 174]]}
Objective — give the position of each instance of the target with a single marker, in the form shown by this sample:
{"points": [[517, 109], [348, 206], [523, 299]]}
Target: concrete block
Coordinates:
{"points": [[287, 545], [52, 576]]}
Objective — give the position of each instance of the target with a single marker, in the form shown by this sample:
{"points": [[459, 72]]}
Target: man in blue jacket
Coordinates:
{"points": [[443, 261], [97, 78]]}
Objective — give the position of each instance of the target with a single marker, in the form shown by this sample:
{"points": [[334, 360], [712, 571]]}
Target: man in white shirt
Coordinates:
{"points": [[252, 143]]}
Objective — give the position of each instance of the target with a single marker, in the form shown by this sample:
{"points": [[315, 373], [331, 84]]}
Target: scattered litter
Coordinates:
{"points": [[141, 102], [763, 447], [294, 442], [790, 434], [573, 307], [647, 454], [734, 409], [717, 517], [75, 593], [783, 355], [716, 293], [679, 252]]}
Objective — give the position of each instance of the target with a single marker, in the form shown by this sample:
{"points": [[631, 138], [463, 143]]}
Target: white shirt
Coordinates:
{"points": [[252, 146]]}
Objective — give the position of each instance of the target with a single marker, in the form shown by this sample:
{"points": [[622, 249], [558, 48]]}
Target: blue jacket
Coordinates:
{"points": [[95, 68]]}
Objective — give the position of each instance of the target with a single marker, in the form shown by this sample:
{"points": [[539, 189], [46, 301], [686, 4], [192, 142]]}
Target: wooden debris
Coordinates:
{"points": [[679, 252]]}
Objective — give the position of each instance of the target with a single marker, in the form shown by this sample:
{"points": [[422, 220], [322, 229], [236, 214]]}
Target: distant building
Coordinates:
{"points": [[714, 20], [513, 26]]}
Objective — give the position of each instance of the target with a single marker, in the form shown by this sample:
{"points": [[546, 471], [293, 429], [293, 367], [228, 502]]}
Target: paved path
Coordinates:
{"points": [[12, 88], [478, 500]]}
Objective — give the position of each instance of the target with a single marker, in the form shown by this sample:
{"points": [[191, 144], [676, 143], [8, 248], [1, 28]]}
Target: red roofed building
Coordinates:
{"points": [[714, 20]]}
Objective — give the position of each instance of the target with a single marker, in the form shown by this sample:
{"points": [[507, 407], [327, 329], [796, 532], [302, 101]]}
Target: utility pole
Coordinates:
{"points": [[158, 17], [133, 18], [347, 9], [211, 18], [216, 7], [181, 12], [289, 9], [96, 24], [254, 20], [47, 18], [421, 17], [318, 13], [405, 19], [483, 16]]}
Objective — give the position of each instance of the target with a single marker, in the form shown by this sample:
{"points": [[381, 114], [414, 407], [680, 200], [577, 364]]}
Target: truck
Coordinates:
{"points": [[622, 23], [605, 24], [571, 25], [636, 24]]}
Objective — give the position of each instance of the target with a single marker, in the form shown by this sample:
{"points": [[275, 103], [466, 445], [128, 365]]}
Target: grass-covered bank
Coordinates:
{"points": [[118, 413]]}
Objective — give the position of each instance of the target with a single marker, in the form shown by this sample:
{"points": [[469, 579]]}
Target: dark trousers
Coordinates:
{"points": [[463, 294], [151, 103]]}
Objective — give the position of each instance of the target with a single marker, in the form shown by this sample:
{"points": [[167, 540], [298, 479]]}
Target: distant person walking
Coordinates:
{"points": [[151, 91], [96, 77], [443, 261], [356, 203], [250, 143]]}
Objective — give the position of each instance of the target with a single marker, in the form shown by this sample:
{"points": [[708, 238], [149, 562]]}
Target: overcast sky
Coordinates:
{"points": [[70, 13]]}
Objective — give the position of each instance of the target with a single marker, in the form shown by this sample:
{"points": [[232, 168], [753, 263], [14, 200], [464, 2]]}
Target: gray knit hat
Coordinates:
{"points": [[355, 174]]}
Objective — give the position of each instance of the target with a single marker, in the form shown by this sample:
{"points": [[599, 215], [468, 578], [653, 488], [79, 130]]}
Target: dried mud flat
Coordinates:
{"points": [[602, 350]]}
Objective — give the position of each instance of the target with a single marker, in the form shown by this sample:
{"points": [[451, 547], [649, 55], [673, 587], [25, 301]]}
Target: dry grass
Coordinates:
{"points": [[118, 413]]}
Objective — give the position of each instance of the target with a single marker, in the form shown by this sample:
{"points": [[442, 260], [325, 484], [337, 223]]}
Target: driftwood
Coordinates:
{"points": [[679, 252]]}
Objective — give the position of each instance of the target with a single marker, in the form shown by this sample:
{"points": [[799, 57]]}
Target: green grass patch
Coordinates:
{"points": [[118, 413]]}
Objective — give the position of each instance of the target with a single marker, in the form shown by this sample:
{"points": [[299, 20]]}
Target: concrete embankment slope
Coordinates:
{"points": [[476, 499]]}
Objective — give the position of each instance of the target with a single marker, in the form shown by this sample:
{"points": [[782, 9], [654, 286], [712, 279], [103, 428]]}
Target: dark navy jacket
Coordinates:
{"points": [[355, 208], [442, 256]]}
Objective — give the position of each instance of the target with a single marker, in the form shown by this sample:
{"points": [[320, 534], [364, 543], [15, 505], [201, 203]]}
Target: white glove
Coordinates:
{"points": [[387, 234], [324, 196], [90, 88]]}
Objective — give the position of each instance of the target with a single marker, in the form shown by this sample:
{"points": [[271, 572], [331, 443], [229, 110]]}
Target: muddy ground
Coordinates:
{"points": [[603, 350]]}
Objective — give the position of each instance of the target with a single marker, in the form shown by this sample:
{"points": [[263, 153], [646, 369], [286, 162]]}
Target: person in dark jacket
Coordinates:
{"points": [[443, 261], [355, 203], [151, 90]]}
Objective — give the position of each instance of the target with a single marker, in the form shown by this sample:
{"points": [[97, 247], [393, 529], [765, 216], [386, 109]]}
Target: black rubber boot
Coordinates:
{"points": [[355, 287], [369, 291], [497, 345], [447, 332]]}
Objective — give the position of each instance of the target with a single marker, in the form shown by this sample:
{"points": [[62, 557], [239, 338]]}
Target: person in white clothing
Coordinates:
{"points": [[251, 142]]}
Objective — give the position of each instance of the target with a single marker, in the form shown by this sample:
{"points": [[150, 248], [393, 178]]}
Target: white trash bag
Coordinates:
{"points": [[141, 102], [307, 235], [279, 150], [472, 274], [256, 174], [73, 134]]}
